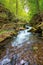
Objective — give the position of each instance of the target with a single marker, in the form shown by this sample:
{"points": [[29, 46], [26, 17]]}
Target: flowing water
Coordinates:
{"points": [[23, 37]]}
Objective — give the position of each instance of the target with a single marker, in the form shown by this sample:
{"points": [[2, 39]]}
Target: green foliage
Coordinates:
{"points": [[32, 6], [3, 15]]}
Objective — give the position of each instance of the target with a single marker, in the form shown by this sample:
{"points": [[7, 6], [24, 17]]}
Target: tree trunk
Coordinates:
{"points": [[37, 3], [38, 8], [16, 7]]}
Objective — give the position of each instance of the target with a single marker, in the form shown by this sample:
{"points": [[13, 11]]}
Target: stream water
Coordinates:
{"points": [[22, 37]]}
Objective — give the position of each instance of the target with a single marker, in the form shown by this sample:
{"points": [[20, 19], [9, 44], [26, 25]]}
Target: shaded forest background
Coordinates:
{"points": [[23, 9]]}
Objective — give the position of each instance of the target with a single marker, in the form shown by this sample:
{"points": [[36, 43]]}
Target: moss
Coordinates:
{"points": [[6, 33]]}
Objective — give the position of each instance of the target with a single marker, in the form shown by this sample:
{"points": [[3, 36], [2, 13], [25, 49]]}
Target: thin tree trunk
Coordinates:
{"points": [[38, 8], [16, 7], [37, 3]]}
